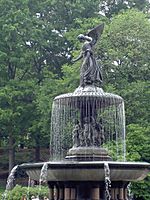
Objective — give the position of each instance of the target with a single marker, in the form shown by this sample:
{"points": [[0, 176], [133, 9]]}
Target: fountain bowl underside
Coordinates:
{"points": [[88, 171]]}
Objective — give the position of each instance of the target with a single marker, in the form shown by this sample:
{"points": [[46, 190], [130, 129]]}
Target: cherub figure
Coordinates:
{"points": [[90, 72], [98, 136], [76, 134], [87, 131]]}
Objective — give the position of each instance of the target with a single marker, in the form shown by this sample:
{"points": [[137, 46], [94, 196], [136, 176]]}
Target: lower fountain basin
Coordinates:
{"points": [[88, 171]]}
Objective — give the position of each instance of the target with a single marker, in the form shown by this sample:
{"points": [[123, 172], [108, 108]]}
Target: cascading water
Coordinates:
{"points": [[123, 131], [10, 182], [28, 189], [107, 181], [43, 176], [11, 178], [82, 111]]}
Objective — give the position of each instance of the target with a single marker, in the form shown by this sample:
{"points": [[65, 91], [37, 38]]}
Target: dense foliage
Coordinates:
{"points": [[20, 192], [38, 41]]}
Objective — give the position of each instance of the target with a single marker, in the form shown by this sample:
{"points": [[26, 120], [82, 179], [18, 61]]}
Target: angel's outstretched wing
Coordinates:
{"points": [[95, 33]]}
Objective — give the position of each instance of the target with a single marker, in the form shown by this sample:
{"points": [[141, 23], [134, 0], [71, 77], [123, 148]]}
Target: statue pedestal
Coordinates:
{"points": [[88, 154]]}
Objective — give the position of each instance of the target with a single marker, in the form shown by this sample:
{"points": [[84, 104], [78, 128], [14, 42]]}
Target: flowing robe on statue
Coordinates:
{"points": [[90, 72]]}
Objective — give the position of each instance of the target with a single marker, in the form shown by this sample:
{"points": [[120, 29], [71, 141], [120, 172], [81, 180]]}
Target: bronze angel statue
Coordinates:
{"points": [[90, 72]]}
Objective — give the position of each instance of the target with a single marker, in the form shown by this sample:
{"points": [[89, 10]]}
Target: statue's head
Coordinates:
{"points": [[81, 38]]}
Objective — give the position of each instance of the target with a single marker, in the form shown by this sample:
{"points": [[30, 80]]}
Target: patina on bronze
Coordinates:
{"points": [[90, 73]]}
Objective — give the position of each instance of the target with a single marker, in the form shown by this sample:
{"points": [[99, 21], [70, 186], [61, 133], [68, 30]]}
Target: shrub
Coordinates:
{"points": [[1, 191], [18, 192]]}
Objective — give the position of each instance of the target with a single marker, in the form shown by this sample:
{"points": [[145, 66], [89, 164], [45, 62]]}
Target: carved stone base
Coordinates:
{"points": [[88, 154]]}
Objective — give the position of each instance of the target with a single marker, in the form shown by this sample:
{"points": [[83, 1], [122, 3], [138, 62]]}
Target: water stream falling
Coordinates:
{"points": [[104, 109], [10, 182], [28, 189], [107, 181], [124, 131], [43, 176]]}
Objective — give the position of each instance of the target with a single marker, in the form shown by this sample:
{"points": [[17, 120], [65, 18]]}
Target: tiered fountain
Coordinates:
{"points": [[87, 125]]}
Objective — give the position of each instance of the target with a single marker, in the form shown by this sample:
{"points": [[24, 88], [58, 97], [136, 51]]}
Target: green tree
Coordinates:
{"points": [[15, 115], [14, 65], [52, 19], [125, 48], [113, 7]]}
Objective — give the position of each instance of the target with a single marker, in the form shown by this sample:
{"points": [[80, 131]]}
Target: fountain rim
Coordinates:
{"points": [[70, 95], [88, 171], [88, 164], [88, 91], [90, 95]]}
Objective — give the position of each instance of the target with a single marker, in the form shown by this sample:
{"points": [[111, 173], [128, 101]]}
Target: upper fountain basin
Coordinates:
{"points": [[88, 171], [89, 92]]}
